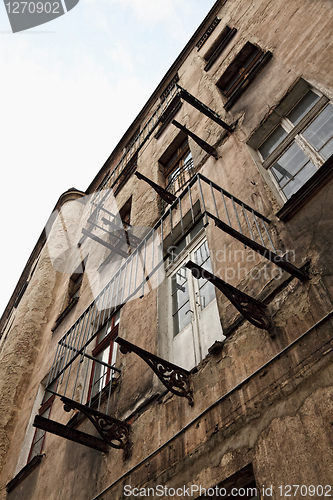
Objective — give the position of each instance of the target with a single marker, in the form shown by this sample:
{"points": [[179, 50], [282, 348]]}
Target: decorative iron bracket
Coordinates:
{"points": [[176, 379], [203, 144], [253, 310], [203, 108], [164, 194], [114, 432]]}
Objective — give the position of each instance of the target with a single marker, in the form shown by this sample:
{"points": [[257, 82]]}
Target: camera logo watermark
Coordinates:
{"points": [[26, 15], [89, 235]]}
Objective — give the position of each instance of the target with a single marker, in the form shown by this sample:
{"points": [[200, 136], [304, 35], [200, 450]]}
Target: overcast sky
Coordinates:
{"points": [[69, 90]]}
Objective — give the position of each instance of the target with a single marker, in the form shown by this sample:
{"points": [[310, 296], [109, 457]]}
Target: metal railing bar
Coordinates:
{"points": [[236, 213], [85, 381], [144, 269], [203, 202], [268, 235], [110, 386], [247, 220], [191, 204], [225, 207], [259, 232], [181, 216], [171, 225], [212, 191], [123, 288], [229, 195]]}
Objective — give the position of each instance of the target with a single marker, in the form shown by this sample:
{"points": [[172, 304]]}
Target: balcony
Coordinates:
{"points": [[137, 275]]}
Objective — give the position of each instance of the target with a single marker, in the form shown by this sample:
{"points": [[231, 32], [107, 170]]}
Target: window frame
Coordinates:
{"points": [[294, 135], [177, 262], [101, 345], [246, 76], [218, 46], [46, 406]]}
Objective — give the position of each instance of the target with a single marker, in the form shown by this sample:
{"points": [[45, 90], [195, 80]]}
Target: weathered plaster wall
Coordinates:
{"points": [[280, 418]]}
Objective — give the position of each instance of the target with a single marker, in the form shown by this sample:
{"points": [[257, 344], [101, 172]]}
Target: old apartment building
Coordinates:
{"points": [[171, 333]]}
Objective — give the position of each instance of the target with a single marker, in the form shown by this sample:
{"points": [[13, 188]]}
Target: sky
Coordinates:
{"points": [[70, 89]]}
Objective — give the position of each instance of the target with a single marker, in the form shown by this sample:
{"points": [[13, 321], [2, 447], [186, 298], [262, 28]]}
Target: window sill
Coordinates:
{"points": [[317, 181], [24, 473], [64, 313]]}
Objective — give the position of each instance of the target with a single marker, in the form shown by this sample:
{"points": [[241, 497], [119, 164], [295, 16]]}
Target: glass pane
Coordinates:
{"points": [[182, 318], [302, 108], [202, 255], [299, 179], [272, 142], [117, 318], [207, 294], [289, 164], [187, 161], [321, 129], [327, 150], [104, 332], [100, 372], [113, 357], [176, 250], [48, 394], [206, 289], [196, 229], [172, 177], [180, 293], [37, 447]]}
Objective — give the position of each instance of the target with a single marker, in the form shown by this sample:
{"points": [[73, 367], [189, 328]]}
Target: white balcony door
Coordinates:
{"points": [[194, 319]]}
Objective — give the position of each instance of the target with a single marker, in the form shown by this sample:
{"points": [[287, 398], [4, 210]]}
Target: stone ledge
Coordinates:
{"points": [[24, 472]]}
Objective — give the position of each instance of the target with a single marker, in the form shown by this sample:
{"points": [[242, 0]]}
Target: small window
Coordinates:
{"points": [[74, 286], [44, 411], [73, 293], [218, 46], [300, 143], [241, 72], [178, 167], [240, 486], [105, 352]]}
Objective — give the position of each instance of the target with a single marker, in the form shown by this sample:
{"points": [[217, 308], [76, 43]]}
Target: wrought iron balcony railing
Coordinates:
{"points": [[142, 270]]}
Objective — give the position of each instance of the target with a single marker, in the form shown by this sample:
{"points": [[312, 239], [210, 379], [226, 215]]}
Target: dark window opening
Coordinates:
{"points": [[73, 293], [241, 72], [177, 164], [240, 486], [218, 46]]}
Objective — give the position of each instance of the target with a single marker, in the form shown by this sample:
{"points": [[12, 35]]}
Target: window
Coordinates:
{"points": [[178, 167], [75, 284], [105, 352], [240, 486], [44, 411], [218, 46], [73, 294], [241, 72], [300, 143], [193, 315], [184, 285]]}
